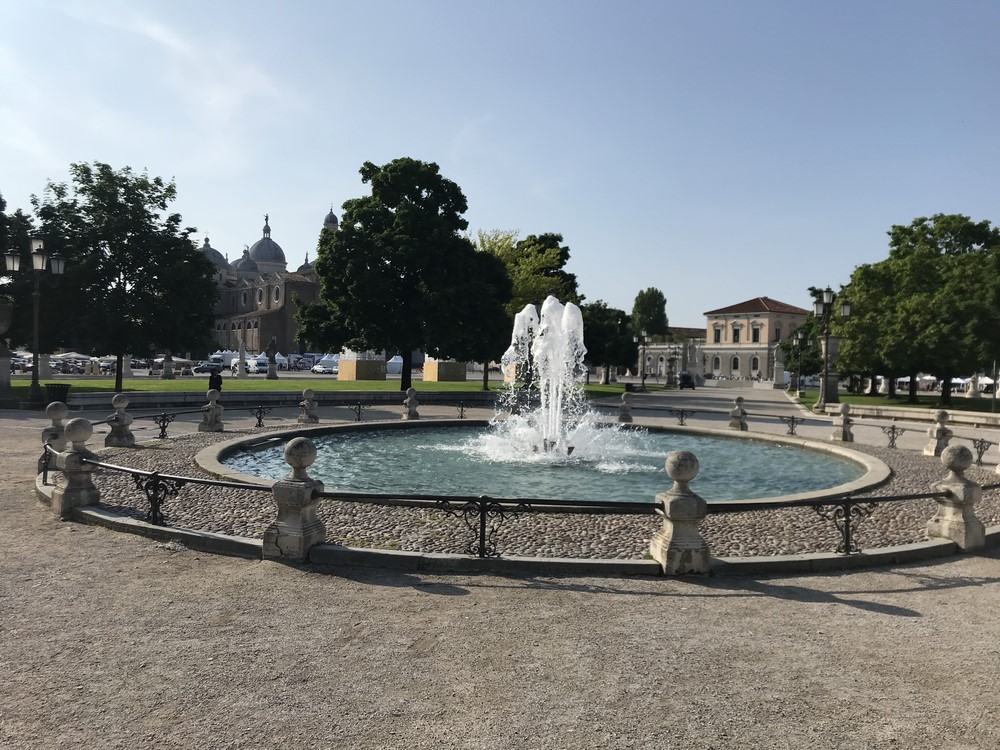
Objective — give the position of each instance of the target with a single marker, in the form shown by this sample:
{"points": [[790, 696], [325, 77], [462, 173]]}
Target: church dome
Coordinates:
{"points": [[217, 258], [331, 222], [306, 267], [246, 264], [265, 249]]}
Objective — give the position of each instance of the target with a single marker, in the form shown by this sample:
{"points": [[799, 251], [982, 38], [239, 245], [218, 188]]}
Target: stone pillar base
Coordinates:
{"points": [[677, 558], [968, 534]]}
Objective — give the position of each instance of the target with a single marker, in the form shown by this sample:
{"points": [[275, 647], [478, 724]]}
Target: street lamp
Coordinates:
{"points": [[39, 260], [642, 339], [823, 310], [800, 344]]}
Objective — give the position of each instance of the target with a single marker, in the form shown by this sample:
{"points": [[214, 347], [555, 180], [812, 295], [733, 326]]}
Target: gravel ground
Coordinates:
{"points": [[114, 641]]}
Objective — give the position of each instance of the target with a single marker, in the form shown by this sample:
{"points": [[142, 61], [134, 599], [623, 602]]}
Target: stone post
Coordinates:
{"points": [[973, 391], [120, 436], [307, 408], [738, 416], [297, 527], [625, 408], [211, 413], [842, 425], [55, 433], [939, 435], [410, 404], [955, 518], [79, 488], [44, 365], [678, 545], [127, 366]]}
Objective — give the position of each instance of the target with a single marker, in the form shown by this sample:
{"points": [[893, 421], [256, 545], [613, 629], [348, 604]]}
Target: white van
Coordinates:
{"points": [[252, 367]]}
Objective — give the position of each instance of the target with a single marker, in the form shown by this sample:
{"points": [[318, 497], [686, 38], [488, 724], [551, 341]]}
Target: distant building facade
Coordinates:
{"points": [[257, 295], [741, 340]]}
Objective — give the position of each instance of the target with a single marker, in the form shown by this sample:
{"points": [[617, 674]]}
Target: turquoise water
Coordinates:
{"points": [[606, 464]]}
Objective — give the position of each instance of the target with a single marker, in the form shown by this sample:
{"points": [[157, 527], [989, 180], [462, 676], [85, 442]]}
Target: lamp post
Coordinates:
{"points": [[823, 310], [800, 343], [642, 340], [39, 260]]}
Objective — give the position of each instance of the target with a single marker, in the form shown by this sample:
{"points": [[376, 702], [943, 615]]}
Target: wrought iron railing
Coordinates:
{"points": [[158, 487]]}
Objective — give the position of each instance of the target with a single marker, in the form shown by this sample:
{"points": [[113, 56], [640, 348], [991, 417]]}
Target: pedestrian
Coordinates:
{"points": [[215, 380]]}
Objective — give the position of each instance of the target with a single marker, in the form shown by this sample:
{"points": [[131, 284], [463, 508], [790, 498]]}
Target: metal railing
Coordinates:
{"points": [[158, 487], [846, 512]]}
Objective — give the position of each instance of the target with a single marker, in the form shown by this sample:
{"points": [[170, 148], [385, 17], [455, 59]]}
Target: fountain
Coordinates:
{"points": [[546, 351], [547, 442]]}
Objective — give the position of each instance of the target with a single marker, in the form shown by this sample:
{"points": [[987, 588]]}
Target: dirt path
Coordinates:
{"points": [[114, 641]]}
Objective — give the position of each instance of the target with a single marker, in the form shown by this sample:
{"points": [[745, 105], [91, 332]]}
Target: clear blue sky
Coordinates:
{"points": [[715, 150]]}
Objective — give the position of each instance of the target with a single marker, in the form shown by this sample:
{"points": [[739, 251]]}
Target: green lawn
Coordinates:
{"points": [[199, 384], [985, 404]]}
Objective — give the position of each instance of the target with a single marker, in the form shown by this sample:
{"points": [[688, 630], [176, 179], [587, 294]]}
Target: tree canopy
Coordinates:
{"points": [[649, 313], [134, 280], [932, 306], [399, 275], [536, 266]]}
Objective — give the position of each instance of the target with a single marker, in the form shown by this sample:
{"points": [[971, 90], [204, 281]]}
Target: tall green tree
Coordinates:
{"points": [[607, 336], [649, 313], [134, 279], [932, 306], [397, 274], [536, 266]]}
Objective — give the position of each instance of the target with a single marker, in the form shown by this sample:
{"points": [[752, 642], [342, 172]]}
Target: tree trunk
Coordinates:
{"points": [[914, 384], [873, 386], [406, 374], [486, 376], [119, 362], [892, 385]]}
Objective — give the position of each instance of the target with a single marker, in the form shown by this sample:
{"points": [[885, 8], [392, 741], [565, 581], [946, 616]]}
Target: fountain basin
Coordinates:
{"points": [[403, 446]]}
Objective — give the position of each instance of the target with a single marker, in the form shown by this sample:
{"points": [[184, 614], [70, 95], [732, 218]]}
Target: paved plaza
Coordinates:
{"points": [[113, 641]]}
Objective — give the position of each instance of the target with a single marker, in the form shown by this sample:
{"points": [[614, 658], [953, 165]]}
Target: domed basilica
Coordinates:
{"points": [[256, 294]]}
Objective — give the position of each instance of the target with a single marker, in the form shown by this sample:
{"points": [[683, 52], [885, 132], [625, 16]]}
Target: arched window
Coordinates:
{"points": [[260, 296], [716, 364], [232, 326], [256, 324], [277, 294], [754, 364], [244, 299], [735, 365]]}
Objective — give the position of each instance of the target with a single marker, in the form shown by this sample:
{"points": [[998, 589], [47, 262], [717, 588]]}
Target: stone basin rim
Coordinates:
{"points": [[877, 472]]}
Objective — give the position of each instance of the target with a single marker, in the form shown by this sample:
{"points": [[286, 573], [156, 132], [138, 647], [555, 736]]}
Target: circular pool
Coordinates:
{"points": [[606, 463]]}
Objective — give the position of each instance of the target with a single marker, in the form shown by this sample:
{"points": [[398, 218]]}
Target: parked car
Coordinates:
{"points": [[685, 380], [327, 366], [206, 366]]}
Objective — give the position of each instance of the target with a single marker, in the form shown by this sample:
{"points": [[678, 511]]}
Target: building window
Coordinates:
{"points": [[716, 364], [260, 296], [736, 365], [244, 299], [718, 336], [233, 326], [256, 325], [777, 332], [754, 364], [277, 294], [736, 335], [755, 335]]}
